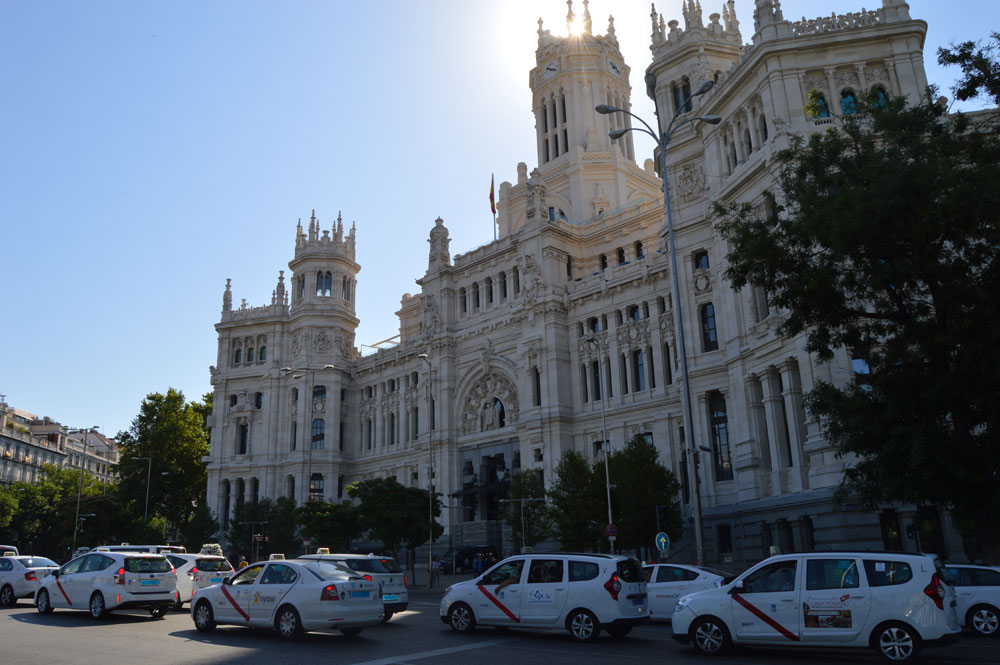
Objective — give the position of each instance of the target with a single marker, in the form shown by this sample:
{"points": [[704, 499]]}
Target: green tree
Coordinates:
{"points": [[201, 528], [577, 510], [980, 68], [330, 525], [165, 444], [883, 239], [650, 484], [282, 529], [249, 519], [8, 506], [527, 501]]}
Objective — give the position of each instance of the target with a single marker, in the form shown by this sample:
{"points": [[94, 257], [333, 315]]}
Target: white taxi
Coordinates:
{"points": [[667, 582], [892, 602], [102, 582], [978, 590], [383, 570], [582, 593], [197, 571], [291, 596], [19, 576]]}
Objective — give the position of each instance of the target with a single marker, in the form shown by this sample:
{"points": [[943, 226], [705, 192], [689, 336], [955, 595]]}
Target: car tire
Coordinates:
{"points": [[582, 626], [351, 631], [42, 603], [97, 608], [984, 620], [896, 642], [386, 617], [204, 618], [288, 623], [7, 597], [710, 637], [157, 612], [461, 618], [618, 632]]}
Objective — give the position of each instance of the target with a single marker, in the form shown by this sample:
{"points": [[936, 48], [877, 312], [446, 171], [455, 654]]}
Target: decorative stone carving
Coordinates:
{"points": [[535, 194], [319, 405], [691, 182], [530, 279], [300, 343], [322, 342], [478, 413], [702, 282], [432, 318]]}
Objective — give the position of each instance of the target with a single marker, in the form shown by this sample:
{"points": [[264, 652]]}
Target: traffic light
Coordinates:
{"points": [[910, 532], [662, 517]]}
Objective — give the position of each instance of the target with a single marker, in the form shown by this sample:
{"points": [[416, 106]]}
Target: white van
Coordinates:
{"points": [[582, 593], [894, 603]]}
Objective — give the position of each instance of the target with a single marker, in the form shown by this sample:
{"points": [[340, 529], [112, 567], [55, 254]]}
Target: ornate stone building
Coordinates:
{"points": [[508, 353]]}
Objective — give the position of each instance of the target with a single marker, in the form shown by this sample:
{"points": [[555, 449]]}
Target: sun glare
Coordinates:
{"points": [[576, 27]]}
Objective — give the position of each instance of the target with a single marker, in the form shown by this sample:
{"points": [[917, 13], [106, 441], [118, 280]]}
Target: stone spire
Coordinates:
{"points": [[570, 16], [611, 37], [227, 298], [587, 23], [439, 255], [279, 292]]}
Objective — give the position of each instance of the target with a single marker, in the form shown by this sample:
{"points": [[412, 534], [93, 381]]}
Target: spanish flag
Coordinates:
{"points": [[493, 205]]}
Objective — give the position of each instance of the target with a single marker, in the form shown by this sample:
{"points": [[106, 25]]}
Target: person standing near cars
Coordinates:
{"points": [[436, 572]]}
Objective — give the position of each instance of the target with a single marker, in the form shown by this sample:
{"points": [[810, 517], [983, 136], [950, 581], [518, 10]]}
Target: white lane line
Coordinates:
{"points": [[616, 656], [407, 657]]}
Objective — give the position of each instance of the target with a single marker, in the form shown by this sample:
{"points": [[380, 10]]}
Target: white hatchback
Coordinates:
{"points": [[291, 596], [583, 593], [894, 603], [978, 590], [383, 570], [102, 582], [197, 571], [20, 575], [667, 582]]}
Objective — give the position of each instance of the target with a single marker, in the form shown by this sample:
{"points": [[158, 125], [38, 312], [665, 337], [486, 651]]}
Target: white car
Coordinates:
{"points": [[978, 590], [894, 603], [197, 571], [583, 593], [102, 582], [19, 576], [291, 596], [384, 570], [667, 582]]}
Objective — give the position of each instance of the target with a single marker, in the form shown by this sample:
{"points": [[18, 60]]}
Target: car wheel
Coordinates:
{"points": [[7, 598], [204, 620], [461, 619], [386, 617], [97, 608], [157, 612], [710, 636], [288, 623], [582, 625], [619, 632], [351, 631], [42, 602], [984, 620], [897, 642]]}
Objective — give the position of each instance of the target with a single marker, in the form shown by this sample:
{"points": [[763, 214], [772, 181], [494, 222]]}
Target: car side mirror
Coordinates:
{"points": [[227, 580], [55, 573], [736, 587]]}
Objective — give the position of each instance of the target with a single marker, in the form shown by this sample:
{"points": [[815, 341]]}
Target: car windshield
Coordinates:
{"points": [[38, 562], [630, 571], [157, 564], [328, 570], [212, 565], [378, 566]]}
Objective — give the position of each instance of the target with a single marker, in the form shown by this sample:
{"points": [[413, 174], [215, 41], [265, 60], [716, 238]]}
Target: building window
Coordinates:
{"points": [[392, 429], [725, 539], [503, 286], [263, 354], [368, 434], [340, 437], [537, 384], [583, 382], [237, 356], [848, 102], [324, 283], [489, 290], [621, 256], [633, 313], [242, 439], [319, 392], [595, 371], [316, 487], [719, 422], [295, 435], [821, 109], [638, 250], [604, 262], [710, 340], [569, 267], [881, 99], [250, 355], [682, 96], [475, 295], [318, 434], [258, 400], [462, 301], [638, 370], [232, 401], [701, 261], [517, 280], [346, 288]]}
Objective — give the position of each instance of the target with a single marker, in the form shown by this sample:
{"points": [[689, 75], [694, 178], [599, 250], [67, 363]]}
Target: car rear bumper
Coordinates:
{"points": [[143, 604], [395, 607]]}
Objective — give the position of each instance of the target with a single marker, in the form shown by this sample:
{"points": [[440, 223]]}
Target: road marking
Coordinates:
{"points": [[615, 656], [766, 619], [405, 658]]}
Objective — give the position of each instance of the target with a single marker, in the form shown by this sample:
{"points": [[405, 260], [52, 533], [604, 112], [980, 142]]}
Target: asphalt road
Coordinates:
{"points": [[415, 637]]}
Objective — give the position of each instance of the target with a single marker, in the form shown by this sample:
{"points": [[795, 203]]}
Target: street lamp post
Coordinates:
{"points": [[430, 467], [297, 373], [663, 140], [605, 445], [521, 503], [79, 489], [149, 467]]}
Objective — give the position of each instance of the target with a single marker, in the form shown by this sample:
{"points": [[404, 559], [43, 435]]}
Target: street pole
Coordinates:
{"points": [[430, 466], [663, 140], [149, 467], [79, 489]]}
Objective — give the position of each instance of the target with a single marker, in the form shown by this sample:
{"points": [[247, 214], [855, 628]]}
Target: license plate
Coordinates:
{"points": [[638, 601], [359, 594], [214, 580], [390, 596], [148, 582]]}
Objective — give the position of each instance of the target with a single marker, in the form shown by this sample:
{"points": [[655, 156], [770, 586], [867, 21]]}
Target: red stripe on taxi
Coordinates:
{"points": [[766, 619]]}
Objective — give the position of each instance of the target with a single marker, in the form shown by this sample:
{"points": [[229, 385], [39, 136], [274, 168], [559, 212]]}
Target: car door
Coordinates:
{"points": [[543, 597], [88, 579], [666, 585], [966, 586], [765, 609], [7, 573], [272, 585], [499, 594], [835, 600], [65, 582], [233, 600]]}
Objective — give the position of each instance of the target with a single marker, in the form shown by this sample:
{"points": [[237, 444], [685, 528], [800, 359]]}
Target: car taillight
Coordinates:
{"points": [[193, 574], [935, 591], [30, 576], [368, 577], [329, 593], [613, 586], [120, 576], [405, 582]]}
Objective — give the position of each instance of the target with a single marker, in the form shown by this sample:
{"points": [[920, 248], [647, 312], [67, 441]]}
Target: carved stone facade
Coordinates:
{"points": [[494, 372]]}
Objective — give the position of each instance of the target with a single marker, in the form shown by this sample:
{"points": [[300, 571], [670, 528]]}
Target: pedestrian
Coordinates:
{"points": [[477, 563], [436, 572], [243, 561]]}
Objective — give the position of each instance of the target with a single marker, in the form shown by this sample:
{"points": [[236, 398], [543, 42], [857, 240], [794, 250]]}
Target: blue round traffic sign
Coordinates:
{"points": [[662, 541], [611, 530]]}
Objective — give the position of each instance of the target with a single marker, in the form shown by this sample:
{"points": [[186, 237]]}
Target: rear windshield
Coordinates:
{"points": [[212, 565], [376, 566], [629, 570], [887, 573], [38, 562], [326, 570], [157, 564]]}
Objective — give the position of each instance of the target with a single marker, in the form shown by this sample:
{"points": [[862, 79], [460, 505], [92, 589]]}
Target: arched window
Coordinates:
{"points": [[604, 262], [318, 434], [295, 435], [747, 142], [346, 286], [243, 439], [701, 261], [503, 285], [638, 250], [319, 392], [501, 413], [593, 325], [238, 356], [633, 313], [232, 400], [250, 354], [710, 340], [258, 400], [848, 102], [320, 283], [316, 487], [881, 99], [621, 256], [263, 353], [822, 110], [475, 295], [719, 422], [463, 301], [638, 370], [762, 127], [489, 290]]}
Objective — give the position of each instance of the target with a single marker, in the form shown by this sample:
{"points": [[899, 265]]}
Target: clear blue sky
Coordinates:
{"points": [[150, 150]]}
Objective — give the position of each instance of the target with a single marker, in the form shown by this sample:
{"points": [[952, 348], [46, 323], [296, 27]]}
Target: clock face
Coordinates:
{"points": [[613, 68], [550, 70]]}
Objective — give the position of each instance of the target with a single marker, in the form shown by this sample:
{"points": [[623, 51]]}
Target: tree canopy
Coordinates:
{"points": [[577, 506], [527, 501], [881, 240], [395, 514]]}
